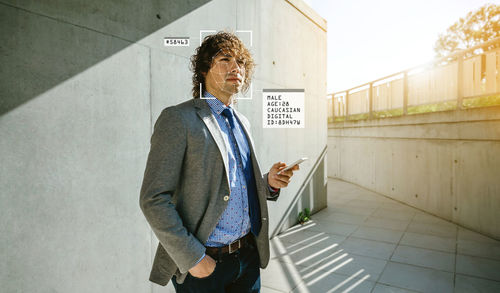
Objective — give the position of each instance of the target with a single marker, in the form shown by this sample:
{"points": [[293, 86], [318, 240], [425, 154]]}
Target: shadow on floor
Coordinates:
{"points": [[365, 242]]}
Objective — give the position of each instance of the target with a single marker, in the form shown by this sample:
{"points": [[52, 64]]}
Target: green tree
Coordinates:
{"points": [[475, 28]]}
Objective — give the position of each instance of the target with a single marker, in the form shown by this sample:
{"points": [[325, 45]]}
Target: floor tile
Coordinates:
{"points": [[398, 206], [478, 267], [332, 262], [381, 288], [346, 218], [372, 196], [330, 282], [466, 284], [334, 227], [417, 278], [280, 276], [343, 263], [324, 213], [269, 290], [482, 249], [274, 248], [386, 223], [297, 227], [393, 214], [422, 217], [169, 288], [313, 252], [281, 247], [301, 235], [370, 248], [425, 257], [429, 241], [358, 210], [337, 201], [345, 195], [364, 204], [378, 234], [466, 234], [433, 229]]}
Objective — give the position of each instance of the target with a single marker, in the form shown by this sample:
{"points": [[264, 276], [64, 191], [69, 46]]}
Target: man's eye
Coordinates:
{"points": [[224, 59]]}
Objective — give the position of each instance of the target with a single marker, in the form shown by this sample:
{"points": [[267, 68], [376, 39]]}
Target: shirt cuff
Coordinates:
{"points": [[204, 254], [271, 189]]}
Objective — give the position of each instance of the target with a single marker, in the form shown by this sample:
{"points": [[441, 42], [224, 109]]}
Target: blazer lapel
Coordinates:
{"points": [[245, 128], [205, 114]]}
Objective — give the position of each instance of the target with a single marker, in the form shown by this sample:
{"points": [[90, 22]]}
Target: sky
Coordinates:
{"points": [[367, 39]]}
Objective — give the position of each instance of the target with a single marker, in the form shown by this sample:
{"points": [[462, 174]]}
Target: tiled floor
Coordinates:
{"points": [[364, 242]]}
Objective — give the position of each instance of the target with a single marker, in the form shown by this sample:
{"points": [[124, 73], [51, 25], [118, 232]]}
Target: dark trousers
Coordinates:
{"points": [[238, 272]]}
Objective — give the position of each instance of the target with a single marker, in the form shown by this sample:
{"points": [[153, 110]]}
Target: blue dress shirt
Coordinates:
{"points": [[235, 221]]}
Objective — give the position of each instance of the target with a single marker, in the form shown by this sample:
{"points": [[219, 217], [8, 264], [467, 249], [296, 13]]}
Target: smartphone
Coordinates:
{"points": [[293, 164]]}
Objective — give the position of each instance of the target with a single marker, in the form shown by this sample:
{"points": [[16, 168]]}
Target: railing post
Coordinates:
{"points": [[460, 79], [347, 105], [333, 108], [370, 99], [405, 93]]}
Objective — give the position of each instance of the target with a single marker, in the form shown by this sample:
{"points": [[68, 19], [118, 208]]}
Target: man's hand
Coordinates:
{"points": [[204, 268], [282, 179]]}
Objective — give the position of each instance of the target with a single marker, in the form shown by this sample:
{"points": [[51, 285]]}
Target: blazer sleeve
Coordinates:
{"points": [[270, 196], [162, 175]]}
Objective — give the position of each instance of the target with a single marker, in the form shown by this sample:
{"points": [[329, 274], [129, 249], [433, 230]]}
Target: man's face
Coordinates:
{"points": [[227, 74]]}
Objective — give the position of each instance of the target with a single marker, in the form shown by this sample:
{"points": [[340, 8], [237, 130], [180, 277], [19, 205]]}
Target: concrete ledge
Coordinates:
{"points": [[308, 12], [481, 124], [455, 116]]}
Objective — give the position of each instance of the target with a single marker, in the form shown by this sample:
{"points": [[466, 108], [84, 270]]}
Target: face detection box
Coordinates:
{"points": [[283, 108]]}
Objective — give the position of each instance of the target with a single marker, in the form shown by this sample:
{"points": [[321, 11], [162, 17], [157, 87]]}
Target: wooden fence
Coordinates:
{"points": [[470, 78]]}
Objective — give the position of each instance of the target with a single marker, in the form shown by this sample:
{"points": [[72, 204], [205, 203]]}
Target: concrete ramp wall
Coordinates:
{"points": [[445, 163]]}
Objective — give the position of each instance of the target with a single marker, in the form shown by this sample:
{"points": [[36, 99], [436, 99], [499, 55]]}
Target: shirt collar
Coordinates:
{"points": [[215, 104]]}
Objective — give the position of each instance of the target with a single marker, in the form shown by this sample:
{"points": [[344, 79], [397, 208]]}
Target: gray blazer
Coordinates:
{"points": [[186, 187]]}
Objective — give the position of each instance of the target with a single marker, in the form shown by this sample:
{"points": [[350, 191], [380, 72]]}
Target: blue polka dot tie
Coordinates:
{"points": [[244, 153]]}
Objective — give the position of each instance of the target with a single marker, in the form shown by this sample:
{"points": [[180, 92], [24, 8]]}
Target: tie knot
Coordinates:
{"points": [[228, 112]]}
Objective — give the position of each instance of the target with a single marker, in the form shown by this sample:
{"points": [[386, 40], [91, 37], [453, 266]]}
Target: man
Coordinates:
{"points": [[203, 193]]}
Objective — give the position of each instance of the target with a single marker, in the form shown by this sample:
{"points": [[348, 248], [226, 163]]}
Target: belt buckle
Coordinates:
{"points": [[230, 246]]}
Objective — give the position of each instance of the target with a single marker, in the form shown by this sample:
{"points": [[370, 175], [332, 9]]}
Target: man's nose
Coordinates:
{"points": [[235, 67]]}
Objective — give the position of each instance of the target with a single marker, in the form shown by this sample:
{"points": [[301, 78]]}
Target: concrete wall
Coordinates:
{"points": [[445, 163], [81, 85]]}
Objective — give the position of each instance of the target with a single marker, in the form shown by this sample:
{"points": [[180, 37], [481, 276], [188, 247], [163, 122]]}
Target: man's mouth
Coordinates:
{"points": [[234, 79]]}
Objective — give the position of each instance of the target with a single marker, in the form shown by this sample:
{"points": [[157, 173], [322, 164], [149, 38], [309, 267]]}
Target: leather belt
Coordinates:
{"points": [[233, 247]]}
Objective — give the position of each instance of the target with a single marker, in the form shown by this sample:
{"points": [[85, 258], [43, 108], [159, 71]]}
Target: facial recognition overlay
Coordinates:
{"points": [[227, 73], [283, 108], [176, 42]]}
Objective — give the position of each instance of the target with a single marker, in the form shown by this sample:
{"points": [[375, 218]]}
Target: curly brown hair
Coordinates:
{"points": [[201, 61]]}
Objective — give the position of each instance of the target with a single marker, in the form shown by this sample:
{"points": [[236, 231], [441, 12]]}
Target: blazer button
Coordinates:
{"points": [[226, 198]]}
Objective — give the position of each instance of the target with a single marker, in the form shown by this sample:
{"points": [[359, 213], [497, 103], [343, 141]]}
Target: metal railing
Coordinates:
{"points": [[465, 79]]}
